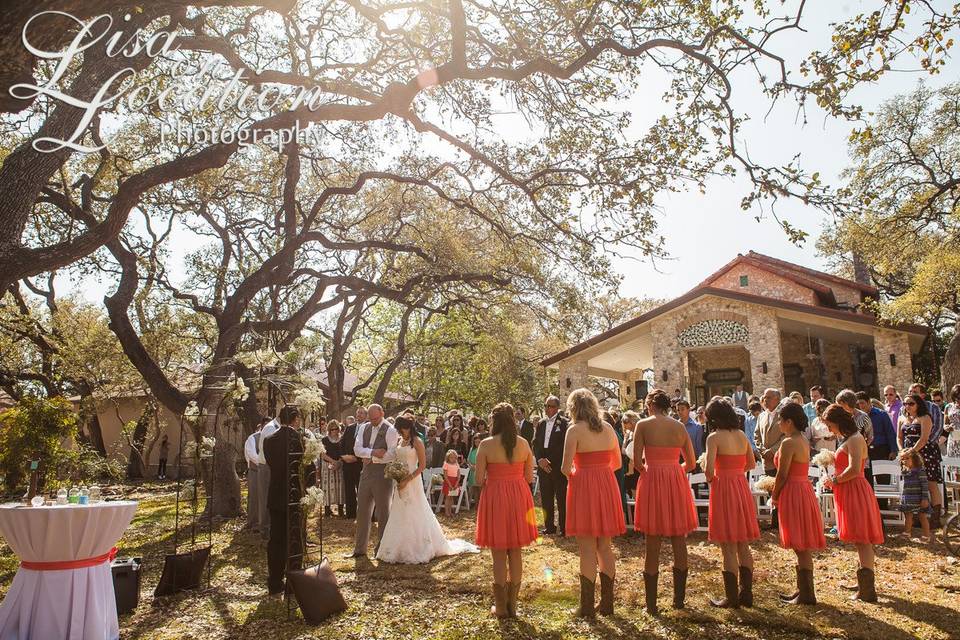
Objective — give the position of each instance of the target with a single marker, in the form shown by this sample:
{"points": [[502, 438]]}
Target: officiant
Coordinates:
{"points": [[548, 449]]}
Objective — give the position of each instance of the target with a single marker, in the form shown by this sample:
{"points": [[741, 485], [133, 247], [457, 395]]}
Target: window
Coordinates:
{"points": [[744, 281]]}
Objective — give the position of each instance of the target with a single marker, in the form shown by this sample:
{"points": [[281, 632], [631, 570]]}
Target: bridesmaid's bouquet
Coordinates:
{"points": [[396, 470], [702, 461], [824, 459], [766, 483]]}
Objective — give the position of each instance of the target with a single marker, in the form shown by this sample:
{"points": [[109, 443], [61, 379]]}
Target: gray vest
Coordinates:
{"points": [[380, 442]]}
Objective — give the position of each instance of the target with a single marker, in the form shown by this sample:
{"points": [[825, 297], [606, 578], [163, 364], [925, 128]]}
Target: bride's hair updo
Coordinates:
{"points": [[406, 422], [505, 426]]}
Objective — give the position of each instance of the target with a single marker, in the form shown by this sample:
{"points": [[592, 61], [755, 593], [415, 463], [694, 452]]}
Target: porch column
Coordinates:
{"points": [[572, 374], [898, 369], [765, 350], [628, 387], [667, 356]]}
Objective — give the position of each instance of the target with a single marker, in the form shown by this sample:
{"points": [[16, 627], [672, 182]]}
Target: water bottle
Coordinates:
{"points": [[62, 496], [95, 494], [84, 495], [73, 496]]}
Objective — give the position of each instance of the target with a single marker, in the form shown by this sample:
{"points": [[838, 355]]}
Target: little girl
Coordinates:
{"points": [[915, 496], [451, 480]]}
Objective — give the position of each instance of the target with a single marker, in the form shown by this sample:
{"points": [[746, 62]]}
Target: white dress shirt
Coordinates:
{"points": [[250, 449], [268, 430], [548, 430], [366, 453]]}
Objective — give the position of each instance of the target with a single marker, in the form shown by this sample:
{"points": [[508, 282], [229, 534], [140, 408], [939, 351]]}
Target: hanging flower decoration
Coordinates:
{"points": [[312, 498], [310, 399], [188, 491], [204, 450], [313, 448], [236, 389], [192, 413]]}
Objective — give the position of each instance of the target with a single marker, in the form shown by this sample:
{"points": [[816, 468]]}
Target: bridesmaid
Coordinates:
{"points": [[733, 513], [664, 501], [858, 514], [505, 517], [801, 523], [591, 455]]}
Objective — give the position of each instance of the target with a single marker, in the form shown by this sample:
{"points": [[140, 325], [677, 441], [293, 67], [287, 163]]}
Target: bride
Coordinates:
{"points": [[412, 534]]}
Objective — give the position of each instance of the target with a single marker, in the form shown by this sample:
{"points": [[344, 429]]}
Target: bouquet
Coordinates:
{"points": [[702, 461], [396, 470], [824, 459], [766, 483], [436, 480]]}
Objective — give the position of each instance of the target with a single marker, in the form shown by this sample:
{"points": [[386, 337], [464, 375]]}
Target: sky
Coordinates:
{"points": [[705, 231]]}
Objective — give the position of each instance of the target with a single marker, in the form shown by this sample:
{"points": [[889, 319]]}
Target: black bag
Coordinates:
{"points": [[182, 571], [317, 592]]}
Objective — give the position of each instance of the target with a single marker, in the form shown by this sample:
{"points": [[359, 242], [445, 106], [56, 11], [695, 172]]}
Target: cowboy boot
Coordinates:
{"points": [[588, 590], [867, 591], [499, 608], [606, 595], [746, 587], [791, 597], [679, 587], [513, 595], [730, 599], [650, 591], [806, 593]]}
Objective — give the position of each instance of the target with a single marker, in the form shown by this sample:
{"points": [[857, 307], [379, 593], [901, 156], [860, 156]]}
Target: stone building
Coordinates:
{"points": [[758, 321]]}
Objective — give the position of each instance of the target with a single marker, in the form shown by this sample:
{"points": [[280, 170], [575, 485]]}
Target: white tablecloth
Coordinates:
{"points": [[69, 603]]}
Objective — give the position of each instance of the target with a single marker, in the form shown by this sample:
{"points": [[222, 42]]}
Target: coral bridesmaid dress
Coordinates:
{"points": [[505, 515], [664, 500], [801, 523], [594, 507], [858, 514], [733, 513]]}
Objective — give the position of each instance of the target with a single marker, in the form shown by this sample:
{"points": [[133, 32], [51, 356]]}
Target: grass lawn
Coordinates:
{"points": [[450, 597]]}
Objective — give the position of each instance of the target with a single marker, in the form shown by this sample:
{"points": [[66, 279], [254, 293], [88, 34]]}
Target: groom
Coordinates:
{"points": [[375, 446]]}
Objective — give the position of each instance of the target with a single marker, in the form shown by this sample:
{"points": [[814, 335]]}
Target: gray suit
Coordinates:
{"points": [[375, 490]]}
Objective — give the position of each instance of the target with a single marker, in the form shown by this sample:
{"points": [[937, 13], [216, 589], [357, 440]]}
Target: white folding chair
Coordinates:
{"points": [[464, 490], [825, 498], [888, 490], [761, 498], [631, 509], [695, 479], [428, 475], [950, 468]]}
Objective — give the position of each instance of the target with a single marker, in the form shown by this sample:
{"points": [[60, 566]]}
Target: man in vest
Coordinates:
{"points": [[256, 501], [375, 446]]}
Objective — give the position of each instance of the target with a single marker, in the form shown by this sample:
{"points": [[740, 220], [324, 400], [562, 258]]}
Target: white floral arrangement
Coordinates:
{"points": [[702, 460], [237, 389], [310, 399], [203, 450], [824, 459], [188, 491], [766, 483], [312, 498], [192, 413], [313, 448]]}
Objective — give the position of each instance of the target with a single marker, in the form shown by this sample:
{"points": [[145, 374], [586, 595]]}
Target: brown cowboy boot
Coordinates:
{"points": [[730, 599], [499, 608], [588, 591], [513, 595], [606, 595], [867, 588], [746, 587], [679, 587], [806, 593], [650, 591]]}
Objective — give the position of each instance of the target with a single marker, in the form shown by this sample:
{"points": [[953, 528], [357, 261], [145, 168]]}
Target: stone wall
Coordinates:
{"points": [[887, 342], [702, 360], [764, 283], [573, 369], [764, 348]]}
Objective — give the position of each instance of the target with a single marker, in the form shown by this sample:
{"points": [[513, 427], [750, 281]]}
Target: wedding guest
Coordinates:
{"points": [[768, 437], [331, 472], [741, 398], [732, 522], [951, 422], [816, 394], [505, 515], [376, 445], [801, 522], [451, 480], [164, 454], [916, 426], [630, 477], [525, 427], [350, 465], [823, 438], [750, 422], [591, 454], [472, 485], [263, 475], [254, 495], [433, 450], [694, 429], [458, 443], [283, 452], [548, 449], [858, 516], [664, 502], [441, 427], [915, 496]]}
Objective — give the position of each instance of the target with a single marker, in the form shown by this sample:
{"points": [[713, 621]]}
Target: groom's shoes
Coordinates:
{"points": [[355, 555]]}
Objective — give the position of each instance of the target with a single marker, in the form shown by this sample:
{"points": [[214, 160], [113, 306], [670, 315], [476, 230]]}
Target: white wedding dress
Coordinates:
{"points": [[412, 534]]}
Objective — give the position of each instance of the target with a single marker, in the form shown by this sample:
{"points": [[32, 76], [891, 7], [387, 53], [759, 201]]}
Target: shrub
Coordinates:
{"points": [[36, 429]]}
